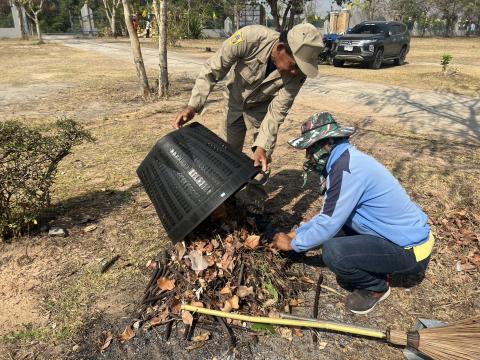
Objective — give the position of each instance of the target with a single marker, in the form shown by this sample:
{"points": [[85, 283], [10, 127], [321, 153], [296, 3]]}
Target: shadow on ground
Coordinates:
{"points": [[88, 207]]}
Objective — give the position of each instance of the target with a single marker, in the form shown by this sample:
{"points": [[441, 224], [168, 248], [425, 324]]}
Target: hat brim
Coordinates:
{"points": [[307, 68], [310, 138]]}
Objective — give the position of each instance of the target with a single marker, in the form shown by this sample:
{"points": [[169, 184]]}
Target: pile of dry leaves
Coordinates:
{"points": [[233, 272]]}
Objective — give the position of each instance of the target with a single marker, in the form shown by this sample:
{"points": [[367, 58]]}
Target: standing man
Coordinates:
{"points": [[269, 69], [383, 232]]}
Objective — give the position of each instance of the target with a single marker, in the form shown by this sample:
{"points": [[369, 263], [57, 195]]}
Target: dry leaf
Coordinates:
{"points": [[199, 246], [243, 291], [127, 334], [195, 346], [90, 228], [285, 333], [187, 317], [108, 340], [227, 261], [269, 302], [180, 250], [176, 307], [296, 302], [166, 284], [227, 307], [274, 314], [475, 259], [226, 290], [298, 332], [322, 345], [197, 304], [307, 280], [199, 262], [159, 320], [209, 248], [202, 337], [234, 302], [252, 241], [152, 265]]}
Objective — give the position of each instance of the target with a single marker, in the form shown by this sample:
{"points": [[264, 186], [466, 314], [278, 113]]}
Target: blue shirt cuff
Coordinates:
{"points": [[294, 247]]}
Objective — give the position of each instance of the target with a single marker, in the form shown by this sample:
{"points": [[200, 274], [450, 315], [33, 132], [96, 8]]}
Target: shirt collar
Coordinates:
{"points": [[337, 151]]}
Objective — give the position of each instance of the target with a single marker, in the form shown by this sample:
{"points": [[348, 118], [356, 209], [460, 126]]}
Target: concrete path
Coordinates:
{"points": [[424, 112]]}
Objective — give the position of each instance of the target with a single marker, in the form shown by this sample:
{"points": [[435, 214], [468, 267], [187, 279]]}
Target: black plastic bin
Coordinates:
{"points": [[189, 173]]}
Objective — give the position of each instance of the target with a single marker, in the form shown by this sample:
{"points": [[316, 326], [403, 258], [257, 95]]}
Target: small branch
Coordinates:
{"points": [[316, 303], [228, 332], [109, 263], [332, 290]]}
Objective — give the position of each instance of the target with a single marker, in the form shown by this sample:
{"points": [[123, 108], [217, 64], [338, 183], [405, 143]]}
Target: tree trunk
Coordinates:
{"points": [[285, 16], [137, 52], [70, 19], [236, 17], [161, 15], [291, 20], [23, 30], [113, 25], [274, 10], [37, 25]]}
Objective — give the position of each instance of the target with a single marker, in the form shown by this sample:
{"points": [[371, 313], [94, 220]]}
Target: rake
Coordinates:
{"points": [[456, 341]]}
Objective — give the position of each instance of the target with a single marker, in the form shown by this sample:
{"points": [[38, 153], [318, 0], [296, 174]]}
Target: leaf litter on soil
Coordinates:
{"points": [[229, 270]]}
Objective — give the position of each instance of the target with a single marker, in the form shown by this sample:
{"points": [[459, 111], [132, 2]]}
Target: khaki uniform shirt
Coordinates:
{"points": [[264, 102]]}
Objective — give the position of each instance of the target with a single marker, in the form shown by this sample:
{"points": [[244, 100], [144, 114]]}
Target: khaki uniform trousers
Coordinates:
{"points": [[253, 196]]}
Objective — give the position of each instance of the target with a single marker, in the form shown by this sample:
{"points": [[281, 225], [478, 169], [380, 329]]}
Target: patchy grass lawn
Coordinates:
{"points": [[55, 302]]}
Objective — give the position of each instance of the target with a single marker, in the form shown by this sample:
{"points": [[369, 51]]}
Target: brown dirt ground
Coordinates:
{"points": [[55, 303]]}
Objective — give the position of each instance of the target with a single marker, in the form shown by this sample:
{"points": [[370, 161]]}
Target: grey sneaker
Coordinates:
{"points": [[363, 301]]}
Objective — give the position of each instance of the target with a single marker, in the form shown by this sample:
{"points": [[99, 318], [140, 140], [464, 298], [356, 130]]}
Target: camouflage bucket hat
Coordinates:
{"points": [[320, 126]]}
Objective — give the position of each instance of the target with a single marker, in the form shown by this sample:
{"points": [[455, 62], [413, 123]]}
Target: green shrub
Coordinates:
{"points": [[28, 164], [185, 25], [446, 59]]}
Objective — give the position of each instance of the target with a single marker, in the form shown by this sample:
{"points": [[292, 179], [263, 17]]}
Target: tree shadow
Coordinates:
{"points": [[88, 207], [455, 115]]}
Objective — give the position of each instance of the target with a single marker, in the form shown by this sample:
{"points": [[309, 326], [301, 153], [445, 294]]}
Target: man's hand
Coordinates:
{"points": [[282, 241], [260, 158], [183, 117]]}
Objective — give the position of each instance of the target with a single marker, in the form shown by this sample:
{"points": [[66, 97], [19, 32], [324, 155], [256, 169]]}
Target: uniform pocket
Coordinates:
{"points": [[249, 71]]}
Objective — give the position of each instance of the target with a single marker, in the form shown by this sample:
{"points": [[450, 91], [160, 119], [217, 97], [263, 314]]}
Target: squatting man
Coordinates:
{"points": [[368, 228]]}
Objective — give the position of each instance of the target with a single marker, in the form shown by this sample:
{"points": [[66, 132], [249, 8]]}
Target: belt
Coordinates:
{"points": [[424, 250]]}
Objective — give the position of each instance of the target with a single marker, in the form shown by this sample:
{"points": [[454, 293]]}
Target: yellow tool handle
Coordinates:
{"points": [[326, 325]]}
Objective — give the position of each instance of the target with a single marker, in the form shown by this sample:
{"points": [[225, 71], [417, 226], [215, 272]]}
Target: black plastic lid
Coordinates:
{"points": [[189, 173]]}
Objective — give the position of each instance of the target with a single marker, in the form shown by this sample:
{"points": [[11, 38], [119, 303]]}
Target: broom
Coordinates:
{"points": [[457, 341]]}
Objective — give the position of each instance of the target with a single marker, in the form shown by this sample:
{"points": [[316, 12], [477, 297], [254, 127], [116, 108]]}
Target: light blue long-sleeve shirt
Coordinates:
{"points": [[363, 195]]}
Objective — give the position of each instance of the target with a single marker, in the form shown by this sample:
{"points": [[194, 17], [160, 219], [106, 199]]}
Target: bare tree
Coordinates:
{"points": [[32, 9], [137, 52], [161, 16], [111, 7]]}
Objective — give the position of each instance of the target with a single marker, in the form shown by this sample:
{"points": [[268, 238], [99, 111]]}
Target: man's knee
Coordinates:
{"points": [[330, 253]]}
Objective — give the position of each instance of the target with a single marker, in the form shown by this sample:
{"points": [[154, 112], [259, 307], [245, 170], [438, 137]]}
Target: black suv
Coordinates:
{"points": [[373, 42]]}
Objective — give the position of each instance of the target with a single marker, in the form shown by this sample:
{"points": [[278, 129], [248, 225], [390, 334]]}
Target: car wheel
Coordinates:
{"points": [[401, 57], [338, 63], [376, 63]]}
